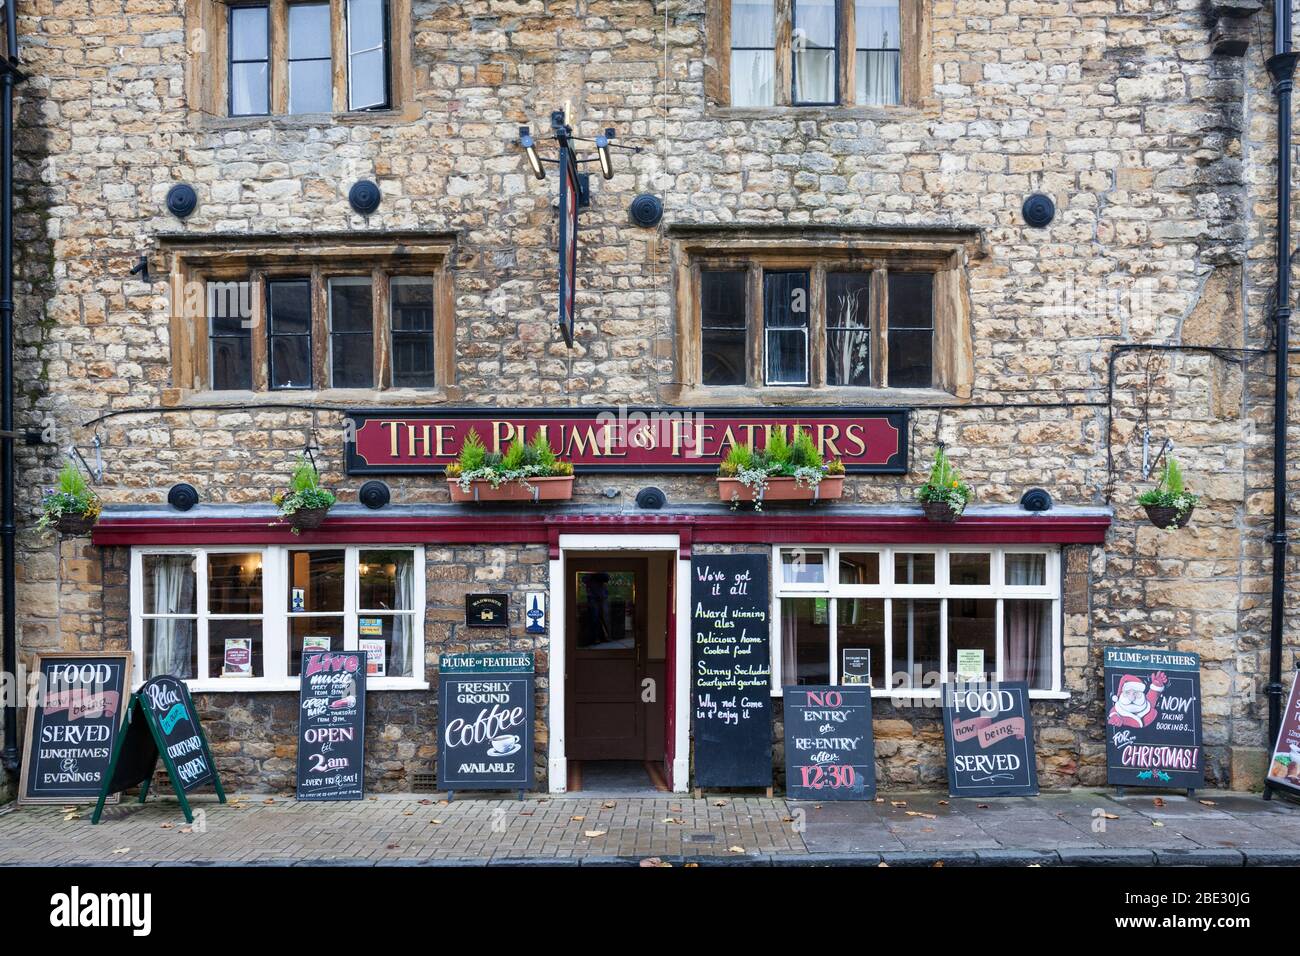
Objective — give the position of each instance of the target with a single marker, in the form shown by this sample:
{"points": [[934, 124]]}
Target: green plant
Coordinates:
{"points": [[1171, 492], [71, 496], [472, 452], [521, 461], [944, 484], [305, 492], [799, 459]]}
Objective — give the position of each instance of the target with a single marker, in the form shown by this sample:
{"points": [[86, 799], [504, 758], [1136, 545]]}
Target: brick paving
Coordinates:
{"points": [[1078, 826]]}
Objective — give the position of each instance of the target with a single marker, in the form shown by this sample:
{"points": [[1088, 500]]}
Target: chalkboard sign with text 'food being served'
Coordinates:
{"points": [[1153, 718], [829, 751], [332, 725], [732, 670], [989, 738]]}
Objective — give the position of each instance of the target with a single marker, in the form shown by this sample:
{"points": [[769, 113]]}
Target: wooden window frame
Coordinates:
{"points": [[916, 86], [207, 78], [193, 264], [953, 352]]}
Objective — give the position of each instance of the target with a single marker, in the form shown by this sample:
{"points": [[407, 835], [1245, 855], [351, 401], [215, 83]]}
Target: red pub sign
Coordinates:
{"points": [[615, 440]]}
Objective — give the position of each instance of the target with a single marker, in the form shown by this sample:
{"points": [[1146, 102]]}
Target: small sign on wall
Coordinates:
{"points": [[487, 610], [535, 612]]}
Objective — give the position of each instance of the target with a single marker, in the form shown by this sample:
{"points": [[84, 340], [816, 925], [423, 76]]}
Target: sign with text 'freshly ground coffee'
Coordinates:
{"points": [[1153, 718], [1284, 768], [623, 440], [829, 751], [989, 739], [72, 728], [732, 668], [332, 725], [485, 721]]}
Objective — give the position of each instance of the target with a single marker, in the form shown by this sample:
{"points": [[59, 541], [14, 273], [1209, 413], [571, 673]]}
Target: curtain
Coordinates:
{"points": [[1027, 632], [173, 638], [877, 46], [813, 42], [789, 643], [399, 664], [848, 337], [753, 62]]}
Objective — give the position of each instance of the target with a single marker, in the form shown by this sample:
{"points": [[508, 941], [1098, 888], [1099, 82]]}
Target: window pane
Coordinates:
{"points": [[309, 86], [315, 631], [813, 45], [861, 635], [606, 607], [911, 329], [878, 78], [753, 63], [876, 23], [753, 24], [787, 357], [1026, 570], [723, 322], [291, 361], [913, 568], [289, 325], [235, 583], [1027, 642], [411, 304], [386, 581], [968, 569], [352, 320], [289, 305], [397, 632], [309, 31], [805, 641], [316, 581], [785, 319], [916, 644], [169, 583], [232, 361], [248, 33], [170, 647], [972, 626], [803, 567], [859, 568], [367, 80], [365, 24], [848, 328], [249, 93], [235, 649]]}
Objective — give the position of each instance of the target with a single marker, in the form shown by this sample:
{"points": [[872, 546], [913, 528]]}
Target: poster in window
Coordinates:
{"points": [[970, 663], [376, 663], [316, 642], [855, 665], [1153, 718], [237, 660]]}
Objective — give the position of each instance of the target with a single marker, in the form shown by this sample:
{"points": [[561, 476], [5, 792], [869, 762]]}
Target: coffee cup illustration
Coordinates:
{"points": [[505, 743]]}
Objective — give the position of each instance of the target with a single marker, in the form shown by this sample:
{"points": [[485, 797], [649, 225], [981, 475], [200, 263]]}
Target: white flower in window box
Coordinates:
{"points": [[780, 471], [530, 472]]}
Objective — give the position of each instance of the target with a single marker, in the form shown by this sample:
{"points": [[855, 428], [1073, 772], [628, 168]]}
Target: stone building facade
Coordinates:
{"points": [[1139, 313]]}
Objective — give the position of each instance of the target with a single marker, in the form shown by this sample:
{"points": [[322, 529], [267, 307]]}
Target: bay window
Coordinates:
{"points": [[240, 618], [907, 619]]}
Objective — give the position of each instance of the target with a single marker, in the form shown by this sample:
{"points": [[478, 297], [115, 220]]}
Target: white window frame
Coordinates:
{"points": [[275, 615], [941, 590]]}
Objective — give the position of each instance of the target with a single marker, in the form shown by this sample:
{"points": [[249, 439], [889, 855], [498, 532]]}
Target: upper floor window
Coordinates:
{"points": [[816, 52]]}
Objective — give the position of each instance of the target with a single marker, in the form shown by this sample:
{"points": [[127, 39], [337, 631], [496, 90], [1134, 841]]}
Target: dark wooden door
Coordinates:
{"points": [[605, 635]]}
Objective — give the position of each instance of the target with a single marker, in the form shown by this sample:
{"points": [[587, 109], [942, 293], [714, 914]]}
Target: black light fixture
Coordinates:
{"points": [[564, 138], [530, 151], [602, 153]]}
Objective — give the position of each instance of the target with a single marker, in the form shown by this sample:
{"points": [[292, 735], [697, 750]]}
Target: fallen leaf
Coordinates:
{"points": [[1110, 816], [981, 806], [918, 813], [166, 826], [880, 799], [1207, 803], [436, 823], [578, 819], [943, 803], [936, 864], [425, 802], [654, 861], [608, 805], [692, 866], [787, 819], [720, 803], [187, 829], [1156, 823], [927, 829], [122, 849], [526, 813], [268, 801], [678, 820], [595, 833], [1158, 802], [735, 849], [898, 803], [71, 816], [408, 813], [393, 846]]}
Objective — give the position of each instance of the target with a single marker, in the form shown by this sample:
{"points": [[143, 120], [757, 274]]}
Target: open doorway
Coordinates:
{"points": [[618, 614]]}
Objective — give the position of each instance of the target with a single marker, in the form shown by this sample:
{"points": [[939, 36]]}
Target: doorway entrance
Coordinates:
{"points": [[616, 633]]}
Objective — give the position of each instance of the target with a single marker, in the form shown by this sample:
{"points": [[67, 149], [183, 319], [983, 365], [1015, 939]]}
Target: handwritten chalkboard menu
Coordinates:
{"points": [[989, 737], [332, 725], [485, 721], [161, 723], [1153, 718], [72, 728], [732, 670], [829, 751], [1284, 768]]}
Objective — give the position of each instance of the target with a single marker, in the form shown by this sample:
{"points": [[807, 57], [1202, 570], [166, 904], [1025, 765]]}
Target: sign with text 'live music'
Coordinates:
{"points": [[617, 440]]}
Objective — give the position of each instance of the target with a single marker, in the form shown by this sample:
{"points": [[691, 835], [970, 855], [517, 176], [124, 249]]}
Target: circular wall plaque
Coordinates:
{"points": [[647, 210], [182, 200], [182, 496], [364, 196], [1038, 210], [374, 494]]}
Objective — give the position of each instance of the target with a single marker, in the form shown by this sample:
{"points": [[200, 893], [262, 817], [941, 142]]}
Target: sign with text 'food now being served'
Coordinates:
{"points": [[989, 738]]}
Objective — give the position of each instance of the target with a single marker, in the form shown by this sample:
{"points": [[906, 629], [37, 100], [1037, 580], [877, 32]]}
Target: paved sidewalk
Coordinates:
{"points": [[1084, 827]]}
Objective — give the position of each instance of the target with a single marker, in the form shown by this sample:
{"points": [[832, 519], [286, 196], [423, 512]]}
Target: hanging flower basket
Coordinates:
{"points": [[555, 488], [74, 526], [304, 505], [1164, 517], [1169, 505], [829, 488], [307, 519], [940, 511]]}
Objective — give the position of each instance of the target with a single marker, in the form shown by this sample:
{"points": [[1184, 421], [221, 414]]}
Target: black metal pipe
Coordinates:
{"points": [[9, 758], [1281, 67]]}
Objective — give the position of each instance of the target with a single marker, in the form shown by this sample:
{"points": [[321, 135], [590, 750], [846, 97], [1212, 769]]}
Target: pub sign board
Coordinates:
{"points": [[732, 670], [487, 610], [829, 750], [1284, 768], [73, 725], [485, 721], [1153, 718], [989, 739], [332, 725], [570, 199], [621, 441]]}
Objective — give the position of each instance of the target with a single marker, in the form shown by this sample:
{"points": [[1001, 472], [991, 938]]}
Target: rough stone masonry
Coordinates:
{"points": [[1149, 122]]}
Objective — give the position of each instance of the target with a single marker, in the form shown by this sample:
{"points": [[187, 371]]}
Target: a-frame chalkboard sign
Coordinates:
{"points": [[160, 722]]}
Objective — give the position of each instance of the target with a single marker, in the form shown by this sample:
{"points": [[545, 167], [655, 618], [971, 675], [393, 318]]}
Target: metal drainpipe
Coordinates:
{"points": [[1281, 67], [8, 74]]}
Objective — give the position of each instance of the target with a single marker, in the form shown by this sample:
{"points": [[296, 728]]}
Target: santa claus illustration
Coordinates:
{"points": [[1134, 704]]}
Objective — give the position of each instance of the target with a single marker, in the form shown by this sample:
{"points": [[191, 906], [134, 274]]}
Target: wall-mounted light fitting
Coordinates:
{"points": [[530, 151]]}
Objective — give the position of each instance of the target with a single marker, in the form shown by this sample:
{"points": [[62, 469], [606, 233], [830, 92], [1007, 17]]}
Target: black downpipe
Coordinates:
{"points": [[1281, 67], [8, 530]]}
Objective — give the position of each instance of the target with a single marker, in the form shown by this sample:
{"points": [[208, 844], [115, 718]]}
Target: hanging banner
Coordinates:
{"points": [[1284, 768], [829, 750], [72, 728], [1153, 718], [731, 663], [989, 739], [626, 440], [485, 721], [332, 725]]}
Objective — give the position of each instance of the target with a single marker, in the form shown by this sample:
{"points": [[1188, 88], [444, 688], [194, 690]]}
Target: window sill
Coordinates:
{"points": [[387, 117], [806, 395], [227, 685], [348, 397], [893, 111]]}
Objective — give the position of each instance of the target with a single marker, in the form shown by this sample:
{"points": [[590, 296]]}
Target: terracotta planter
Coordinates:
{"points": [[307, 519], [557, 488], [74, 526], [783, 489], [940, 511], [1164, 518]]}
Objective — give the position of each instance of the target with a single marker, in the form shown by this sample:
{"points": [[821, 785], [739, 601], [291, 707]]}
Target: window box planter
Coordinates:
{"points": [[783, 489], [1165, 518], [555, 488]]}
